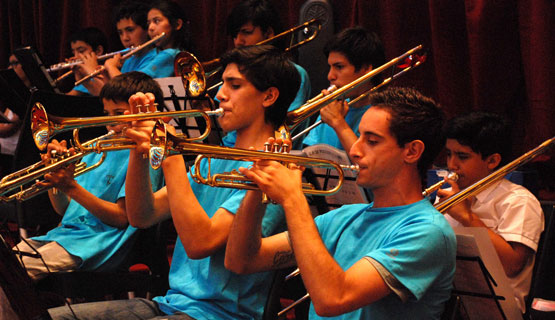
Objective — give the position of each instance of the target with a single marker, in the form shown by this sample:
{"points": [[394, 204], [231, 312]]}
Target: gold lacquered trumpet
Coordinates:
{"points": [[44, 126], [164, 144], [32, 173]]}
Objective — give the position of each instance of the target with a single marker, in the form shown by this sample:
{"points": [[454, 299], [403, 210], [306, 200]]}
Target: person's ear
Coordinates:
{"points": [[413, 151], [269, 33], [99, 50], [493, 160], [179, 24], [270, 96]]}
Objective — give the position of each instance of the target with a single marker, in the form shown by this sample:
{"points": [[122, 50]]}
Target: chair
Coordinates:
{"points": [[281, 290], [131, 276], [543, 282]]}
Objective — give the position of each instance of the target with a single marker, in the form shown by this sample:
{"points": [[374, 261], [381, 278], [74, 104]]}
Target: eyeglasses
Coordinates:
{"points": [[13, 63]]}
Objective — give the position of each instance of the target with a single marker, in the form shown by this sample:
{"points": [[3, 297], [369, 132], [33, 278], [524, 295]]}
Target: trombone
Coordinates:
{"points": [[35, 171], [44, 126], [462, 195], [164, 144], [409, 60], [195, 74], [124, 57]]}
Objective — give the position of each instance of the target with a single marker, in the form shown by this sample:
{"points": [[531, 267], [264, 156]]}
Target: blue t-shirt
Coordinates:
{"points": [[413, 242], [161, 65], [325, 134], [100, 247], [204, 288], [139, 62], [302, 95]]}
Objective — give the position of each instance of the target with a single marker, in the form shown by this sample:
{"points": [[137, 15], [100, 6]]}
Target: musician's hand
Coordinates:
{"points": [[140, 131], [334, 113], [114, 62], [274, 179], [59, 147], [62, 178], [460, 212]]}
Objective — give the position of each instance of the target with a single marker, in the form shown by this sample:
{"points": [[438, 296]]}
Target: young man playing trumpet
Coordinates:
{"points": [[479, 143], [391, 259], [259, 84], [94, 233], [351, 54]]}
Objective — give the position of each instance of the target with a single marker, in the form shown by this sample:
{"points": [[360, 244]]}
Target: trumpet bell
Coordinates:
{"points": [[39, 126], [187, 66]]}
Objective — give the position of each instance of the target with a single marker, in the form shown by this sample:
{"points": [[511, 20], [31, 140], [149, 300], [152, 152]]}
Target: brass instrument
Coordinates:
{"points": [[164, 144], [195, 74], [409, 60], [18, 179], [462, 195], [439, 184], [44, 126], [124, 57], [498, 174]]}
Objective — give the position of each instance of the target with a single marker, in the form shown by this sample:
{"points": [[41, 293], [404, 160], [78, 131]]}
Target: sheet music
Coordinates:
{"points": [[350, 192], [177, 85], [475, 242]]}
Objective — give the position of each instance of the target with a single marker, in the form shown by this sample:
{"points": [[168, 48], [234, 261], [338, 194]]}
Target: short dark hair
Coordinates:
{"points": [[413, 117], [174, 12], [123, 86], [92, 36], [266, 66], [484, 132], [260, 12], [134, 10], [360, 46]]}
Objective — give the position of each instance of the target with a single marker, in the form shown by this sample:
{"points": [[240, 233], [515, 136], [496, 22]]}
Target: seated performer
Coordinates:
{"points": [[259, 84], [134, 29], [94, 233], [86, 44], [351, 53], [251, 22], [391, 259], [478, 143]]}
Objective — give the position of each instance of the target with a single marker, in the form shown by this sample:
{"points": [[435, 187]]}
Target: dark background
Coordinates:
{"points": [[489, 55]]}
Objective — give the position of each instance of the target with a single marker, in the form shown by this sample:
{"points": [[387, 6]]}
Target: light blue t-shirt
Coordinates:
{"points": [[413, 242], [204, 288], [100, 247], [302, 96], [161, 65], [139, 62], [323, 133]]}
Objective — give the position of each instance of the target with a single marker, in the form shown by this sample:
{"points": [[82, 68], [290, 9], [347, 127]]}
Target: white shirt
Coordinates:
{"points": [[512, 212]]}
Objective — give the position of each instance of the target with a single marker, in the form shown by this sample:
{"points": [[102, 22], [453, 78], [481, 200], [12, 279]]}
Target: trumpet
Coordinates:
{"points": [[163, 144], [44, 126], [407, 61], [124, 57], [35, 171], [195, 74], [439, 184]]}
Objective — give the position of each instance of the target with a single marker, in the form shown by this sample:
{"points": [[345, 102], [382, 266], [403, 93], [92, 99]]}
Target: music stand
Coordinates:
{"points": [[35, 69], [13, 92], [480, 279]]}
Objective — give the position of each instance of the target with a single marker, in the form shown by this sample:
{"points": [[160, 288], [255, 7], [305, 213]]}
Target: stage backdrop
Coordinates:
{"points": [[491, 55]]}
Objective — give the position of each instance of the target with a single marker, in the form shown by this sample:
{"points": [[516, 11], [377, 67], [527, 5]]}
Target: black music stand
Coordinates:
{"points": [[480, 279], [35, 69], [13, 92]]}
